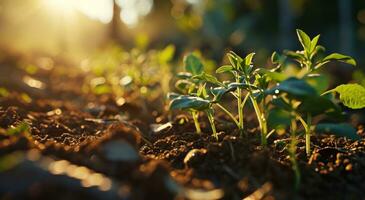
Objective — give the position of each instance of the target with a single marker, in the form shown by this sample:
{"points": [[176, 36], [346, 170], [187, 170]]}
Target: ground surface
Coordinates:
{"points": [[86, 146]]}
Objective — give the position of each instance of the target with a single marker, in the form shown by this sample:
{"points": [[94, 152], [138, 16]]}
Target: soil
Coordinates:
{"points": [[86, 146]]}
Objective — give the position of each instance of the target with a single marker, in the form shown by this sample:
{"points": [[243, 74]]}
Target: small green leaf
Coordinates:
{"points": [[186, 102], [184, 75], [275, 58], [193, 64], [208, 78], [341, 58], [351, 95], [224, 68], [183, 85], [304, 40], [342, 130], [298, 55], [233, 59], [276, 76], [314, 43], [248, 59], [295, 87], [233, 86], [21, 128], [172, 95], [167, 54]]}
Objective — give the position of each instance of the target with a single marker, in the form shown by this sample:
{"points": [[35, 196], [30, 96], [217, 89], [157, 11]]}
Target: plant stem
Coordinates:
{"points": [[262, 121], [229, 114], [308, 135], [240, 111], [195, 115], [292, 152], [306, 125], [212, 125]]}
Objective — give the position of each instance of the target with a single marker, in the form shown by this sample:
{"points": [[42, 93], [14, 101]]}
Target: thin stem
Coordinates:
{"points": [[195, 115], [262, 121], [245, 100], [292, 152], [308, 135], [229, 114], [212, 125], [306, 125], [240, 110]]}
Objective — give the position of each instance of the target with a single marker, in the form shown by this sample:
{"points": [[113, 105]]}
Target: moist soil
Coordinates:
{"points": [[86, 146]]}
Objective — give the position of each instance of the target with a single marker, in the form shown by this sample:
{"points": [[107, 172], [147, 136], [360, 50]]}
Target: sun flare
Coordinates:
{"points": [[94, 9]]}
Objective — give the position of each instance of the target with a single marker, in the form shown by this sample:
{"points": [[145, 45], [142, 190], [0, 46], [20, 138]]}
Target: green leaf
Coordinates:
{"points": [[276, 76], [280, 103], [233, 86], [304, 40], [193, 64], [278, 118], [351, 95], [342, 130], [316, 105], [167, 54], [202, 92], [208, 78], [224, 68], [184, 75], [341, 58], [185, 102], [172, 95], [275, 58], [218, 93], [183, 85], [298, 55], [294, 87], [314, 43], [21, 128], [318, 81], [248, 59], [234, 59]]}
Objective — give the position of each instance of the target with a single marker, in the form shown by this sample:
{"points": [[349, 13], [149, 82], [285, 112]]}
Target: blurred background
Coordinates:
{"points": [[78, 28]]}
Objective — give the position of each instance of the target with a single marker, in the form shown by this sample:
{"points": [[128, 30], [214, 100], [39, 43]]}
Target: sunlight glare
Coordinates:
{"points": [[94, 9], [133, 10], [65, 7]]}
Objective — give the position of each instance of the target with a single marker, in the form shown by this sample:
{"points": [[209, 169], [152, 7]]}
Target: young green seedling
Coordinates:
{"points": [[196, 98], [311, 59], [254, 83]]}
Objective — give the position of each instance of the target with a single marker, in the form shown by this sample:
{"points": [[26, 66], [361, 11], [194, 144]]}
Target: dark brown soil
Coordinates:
{"points": [[83, 146]]}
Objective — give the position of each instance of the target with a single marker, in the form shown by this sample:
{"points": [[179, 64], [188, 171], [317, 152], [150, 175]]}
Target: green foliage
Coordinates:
{"points": [[294, 87], [311, 58], [351, 95], [195, 97], [19, 129], [342, 130], [193, 64], [281, 101], [189, 102], [339, 57]]}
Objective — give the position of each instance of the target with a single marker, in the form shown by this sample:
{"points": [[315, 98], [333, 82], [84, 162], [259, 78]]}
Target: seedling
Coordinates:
{"points": [[250, 80], [297, 100], [196, 97], [310, 60], [16, 130]]}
